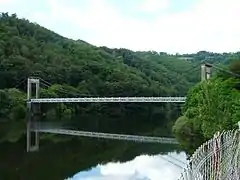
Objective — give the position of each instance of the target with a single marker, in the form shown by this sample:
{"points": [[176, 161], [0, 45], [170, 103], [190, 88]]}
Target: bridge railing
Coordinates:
{"points": [[110, 99], [217, 159]]}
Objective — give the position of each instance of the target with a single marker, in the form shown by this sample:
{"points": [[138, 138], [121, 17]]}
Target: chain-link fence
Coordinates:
{"points": [[217, 159]]}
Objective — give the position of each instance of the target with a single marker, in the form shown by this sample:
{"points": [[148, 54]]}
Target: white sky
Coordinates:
{"points": [[160, 25]]}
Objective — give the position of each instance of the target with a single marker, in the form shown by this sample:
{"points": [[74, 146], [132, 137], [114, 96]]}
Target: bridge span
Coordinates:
{"points": [[33, 143], [110, 99]]}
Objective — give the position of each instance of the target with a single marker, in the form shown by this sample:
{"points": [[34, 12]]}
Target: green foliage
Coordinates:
{"points": [[235, 67], [18, 112], [12, 104], [187, 134], [211, 106]]}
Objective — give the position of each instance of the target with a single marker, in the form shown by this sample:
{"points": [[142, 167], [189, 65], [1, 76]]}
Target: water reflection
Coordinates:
{"points": [[143, 167], [61, 156]]}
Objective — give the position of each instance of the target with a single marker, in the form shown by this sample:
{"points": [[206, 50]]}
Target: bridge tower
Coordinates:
{"points": [[206, 71], [32, 137]]}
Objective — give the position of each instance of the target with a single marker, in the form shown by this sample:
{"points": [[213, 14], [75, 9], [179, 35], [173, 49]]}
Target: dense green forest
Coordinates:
{"points": [[212, 106], [78, 69]]}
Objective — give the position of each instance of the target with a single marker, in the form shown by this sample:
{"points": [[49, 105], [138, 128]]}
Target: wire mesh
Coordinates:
{"points": [[217, 159]]}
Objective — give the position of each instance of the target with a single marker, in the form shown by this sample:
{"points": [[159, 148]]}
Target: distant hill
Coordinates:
{"points": [[29, 49], [211, 57]]}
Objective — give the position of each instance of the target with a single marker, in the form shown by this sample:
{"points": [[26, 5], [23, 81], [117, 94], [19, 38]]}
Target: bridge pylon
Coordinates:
{"points": [[32, 136], [206, 71]]}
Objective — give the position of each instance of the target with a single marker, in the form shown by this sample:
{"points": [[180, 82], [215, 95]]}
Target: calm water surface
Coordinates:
{"points": [[67, 157]]}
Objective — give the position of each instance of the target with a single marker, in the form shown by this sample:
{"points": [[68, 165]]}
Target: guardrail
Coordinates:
{"points": [[217, 159], [110, 99]]}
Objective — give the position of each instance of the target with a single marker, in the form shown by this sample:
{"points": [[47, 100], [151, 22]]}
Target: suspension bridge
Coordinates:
{"points": [[33, 143], [36, 127]]}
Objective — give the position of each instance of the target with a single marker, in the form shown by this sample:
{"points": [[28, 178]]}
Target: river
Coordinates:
{"points": [[75, 158]]}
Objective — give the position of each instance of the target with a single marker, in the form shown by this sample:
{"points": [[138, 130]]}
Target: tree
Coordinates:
{"points": [[211, 106], [235, 67]]}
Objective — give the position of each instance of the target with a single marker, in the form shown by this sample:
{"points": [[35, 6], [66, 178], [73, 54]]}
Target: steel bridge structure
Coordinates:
{"points": [[31, 101], [33, 145]]}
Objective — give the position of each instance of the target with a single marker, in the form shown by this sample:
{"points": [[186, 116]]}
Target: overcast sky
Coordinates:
{"points": [[161, 25]]}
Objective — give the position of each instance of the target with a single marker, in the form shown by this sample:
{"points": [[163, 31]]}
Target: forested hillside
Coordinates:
{"points": [[78, 69], [29, 49]]}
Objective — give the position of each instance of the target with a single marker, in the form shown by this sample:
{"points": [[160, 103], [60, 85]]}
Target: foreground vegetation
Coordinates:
{"points": [[211, 106]]}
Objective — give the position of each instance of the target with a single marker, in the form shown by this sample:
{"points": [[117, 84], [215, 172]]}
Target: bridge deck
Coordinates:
{"points": [[110, 99], [146, 139]]}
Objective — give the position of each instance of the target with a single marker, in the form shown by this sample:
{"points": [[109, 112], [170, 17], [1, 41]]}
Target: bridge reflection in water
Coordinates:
{"points": [[144, 139]]}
